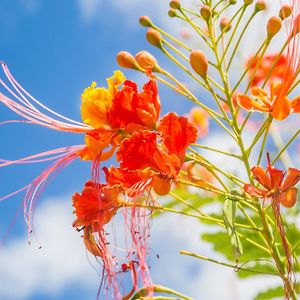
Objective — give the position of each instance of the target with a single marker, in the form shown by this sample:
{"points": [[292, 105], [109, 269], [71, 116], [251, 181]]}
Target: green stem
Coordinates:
{"points": [[157, 289], [235, 267]]}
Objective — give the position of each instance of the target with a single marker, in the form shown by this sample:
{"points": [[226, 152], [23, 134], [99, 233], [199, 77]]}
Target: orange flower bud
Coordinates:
{"points": [[225, 24], [285, 11], [161, 186], [175, 4], [145, 60], [172, 13], [145, 21], [126, 60], [273, 26], [154, 38], [260, 5], [199, 63], [205, 12]]}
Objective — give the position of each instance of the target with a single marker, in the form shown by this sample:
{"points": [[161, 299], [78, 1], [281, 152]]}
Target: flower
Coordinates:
{"points": [[114, 113], [260, 68], [199, 118], [278, 105], [153, 159], [274, 185], [95, 206]]}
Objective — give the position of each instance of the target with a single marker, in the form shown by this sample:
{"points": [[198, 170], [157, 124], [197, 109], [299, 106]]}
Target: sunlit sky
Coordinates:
{"points": [[55, 49]]}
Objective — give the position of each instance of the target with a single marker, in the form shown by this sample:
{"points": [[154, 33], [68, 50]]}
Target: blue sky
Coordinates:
{"points": [[55, 49]]}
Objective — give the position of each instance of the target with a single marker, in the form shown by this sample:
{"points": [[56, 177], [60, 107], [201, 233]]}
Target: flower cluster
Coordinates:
{"points": [[150, 151]]}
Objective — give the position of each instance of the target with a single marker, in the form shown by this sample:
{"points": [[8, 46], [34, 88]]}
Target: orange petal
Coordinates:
{"points": [[178, 133], [276, 177], [255, 192], [90, 243], [295, 104], [289, 197], [247, 103], [256, 92], [141, 151], [281, 108], [292, 178], [261, 176]]}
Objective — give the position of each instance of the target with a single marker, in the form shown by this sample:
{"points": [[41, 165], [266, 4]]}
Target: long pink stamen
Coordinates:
{"points": [[37, 158], [25, 108]]}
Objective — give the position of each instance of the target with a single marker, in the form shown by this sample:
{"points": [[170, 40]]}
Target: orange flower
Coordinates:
{"points": [[278, 105], [114, 113], [199, 118], [132, 110], [95, 206], [178, 134], [145, 162], [264, 67], [274, 185]]}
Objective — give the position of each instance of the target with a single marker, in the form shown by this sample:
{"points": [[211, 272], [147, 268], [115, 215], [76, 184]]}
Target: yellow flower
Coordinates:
{"points": [[97, 101]]}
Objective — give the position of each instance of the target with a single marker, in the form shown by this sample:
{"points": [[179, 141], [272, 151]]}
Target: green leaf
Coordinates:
{"points": [[272, 293], [229, 212]]}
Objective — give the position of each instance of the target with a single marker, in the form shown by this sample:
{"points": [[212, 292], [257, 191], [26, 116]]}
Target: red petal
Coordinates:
{"points": [[255, 192], [281, 108], [289, 198], [178, 133], [141, 151], [295, 104], [292, 178], [276, 176], [261, 176]]}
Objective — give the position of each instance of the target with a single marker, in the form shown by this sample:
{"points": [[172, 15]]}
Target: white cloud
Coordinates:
{"points": [[195, 278], [60, 262], [89, 9]]}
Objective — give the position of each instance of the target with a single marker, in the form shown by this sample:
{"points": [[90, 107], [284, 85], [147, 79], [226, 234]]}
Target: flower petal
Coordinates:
{"points": [[178, 133], [292, 178], [255, 192], [261, 176], [289, 197]]}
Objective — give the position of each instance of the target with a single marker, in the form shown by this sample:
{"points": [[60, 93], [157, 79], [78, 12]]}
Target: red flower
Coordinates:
{"points": [[115, 113], [95, 206], [131, 110], [278, 105], [274, 184], [178, 134], [157, 156], [265, 66]]}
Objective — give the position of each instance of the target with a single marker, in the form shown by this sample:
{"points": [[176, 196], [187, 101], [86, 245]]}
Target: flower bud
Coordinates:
{"points": [[205, 12], [225, 24], [145, 21], [199, 63], [232, 2], [175, 4], [126, 60], [260, 5], [154, 38], [285, 11], [248, 2], [273, 26], [161, 186], [145, 60], [172, 13]]}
